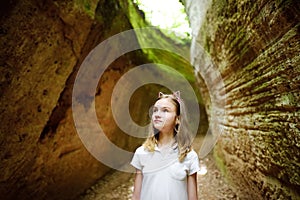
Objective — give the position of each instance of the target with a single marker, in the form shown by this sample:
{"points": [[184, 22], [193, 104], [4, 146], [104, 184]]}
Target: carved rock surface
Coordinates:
{"points": [[255, 102], [43, 44]]}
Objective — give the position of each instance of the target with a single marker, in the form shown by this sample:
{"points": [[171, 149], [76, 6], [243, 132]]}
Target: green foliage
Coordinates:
{"points": [[168, 16]]}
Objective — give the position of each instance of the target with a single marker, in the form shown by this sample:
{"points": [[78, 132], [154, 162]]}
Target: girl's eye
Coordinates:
{"points": [[155, 110], [165, 110]]}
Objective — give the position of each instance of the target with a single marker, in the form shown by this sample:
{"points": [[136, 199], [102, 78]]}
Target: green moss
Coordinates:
{"points": [[137, 19], [220, 162], [87, 6]]}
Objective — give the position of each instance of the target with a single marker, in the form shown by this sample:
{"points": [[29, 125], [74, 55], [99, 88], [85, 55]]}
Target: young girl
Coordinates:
{"points": [[166, 166]]}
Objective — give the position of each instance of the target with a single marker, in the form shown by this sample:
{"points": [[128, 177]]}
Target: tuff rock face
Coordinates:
{"points": [[253, 91], [43, 44]]}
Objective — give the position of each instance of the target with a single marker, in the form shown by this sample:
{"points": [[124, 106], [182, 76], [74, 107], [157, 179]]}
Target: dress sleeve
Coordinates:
{"points": [[136, 160], [194, 162]]}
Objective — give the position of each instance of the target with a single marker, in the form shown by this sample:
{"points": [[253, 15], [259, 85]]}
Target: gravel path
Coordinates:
{"points": [[118, 185]]}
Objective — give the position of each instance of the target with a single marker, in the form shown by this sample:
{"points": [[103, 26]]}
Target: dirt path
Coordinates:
{"points": [[118, 185]]}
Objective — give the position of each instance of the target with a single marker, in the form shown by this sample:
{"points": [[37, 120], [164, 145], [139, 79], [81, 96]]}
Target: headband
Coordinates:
{"points": [[175, 95]]}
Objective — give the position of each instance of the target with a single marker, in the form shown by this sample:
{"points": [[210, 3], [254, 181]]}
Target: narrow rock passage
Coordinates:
{"points": [[118, 185]]}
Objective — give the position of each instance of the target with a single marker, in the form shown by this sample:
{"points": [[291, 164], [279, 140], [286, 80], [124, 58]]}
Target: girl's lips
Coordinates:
{"points": [[157, 121]]}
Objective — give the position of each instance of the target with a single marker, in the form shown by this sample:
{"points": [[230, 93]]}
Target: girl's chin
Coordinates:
{"points": [[158, 127]]}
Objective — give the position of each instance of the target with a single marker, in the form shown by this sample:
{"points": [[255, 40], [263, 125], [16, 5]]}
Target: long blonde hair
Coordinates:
{"points": [[181, 130]]}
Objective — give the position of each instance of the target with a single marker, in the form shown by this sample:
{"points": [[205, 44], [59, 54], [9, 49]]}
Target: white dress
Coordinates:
{"points": [[164, 177]]}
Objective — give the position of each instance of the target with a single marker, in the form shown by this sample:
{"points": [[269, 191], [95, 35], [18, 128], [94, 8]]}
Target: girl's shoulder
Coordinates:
{"points": [[141, 150], [191, 155]]}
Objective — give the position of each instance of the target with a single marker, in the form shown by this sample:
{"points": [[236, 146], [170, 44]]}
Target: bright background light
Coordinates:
{"points": [[166, 14]]}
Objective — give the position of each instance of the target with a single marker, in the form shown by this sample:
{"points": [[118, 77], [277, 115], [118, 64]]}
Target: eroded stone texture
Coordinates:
{"points": [[256, 48], [42, 46], [37, 56]]}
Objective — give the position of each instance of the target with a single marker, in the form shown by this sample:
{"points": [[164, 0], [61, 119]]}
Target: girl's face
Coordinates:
{"points": [[164, 115]]}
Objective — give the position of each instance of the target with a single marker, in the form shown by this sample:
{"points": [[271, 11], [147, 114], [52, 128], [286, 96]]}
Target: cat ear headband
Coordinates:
{"points": [[176, 95]]}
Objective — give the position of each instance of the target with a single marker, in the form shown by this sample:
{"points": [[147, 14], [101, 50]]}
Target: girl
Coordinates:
{"points": [[166, 166]]}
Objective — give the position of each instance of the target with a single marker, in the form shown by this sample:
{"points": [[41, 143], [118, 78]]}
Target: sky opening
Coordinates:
{"points": [[168, 15]]}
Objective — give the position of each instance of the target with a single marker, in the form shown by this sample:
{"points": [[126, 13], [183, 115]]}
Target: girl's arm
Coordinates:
{"points": [[192, 187], [137, 185]]}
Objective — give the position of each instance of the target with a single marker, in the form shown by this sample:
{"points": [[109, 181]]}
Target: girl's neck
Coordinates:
{"points": [[165, 139]]}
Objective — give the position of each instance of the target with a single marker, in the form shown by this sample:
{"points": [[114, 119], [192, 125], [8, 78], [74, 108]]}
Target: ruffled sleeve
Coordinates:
{"points": [[136, 160], [193, 162]]}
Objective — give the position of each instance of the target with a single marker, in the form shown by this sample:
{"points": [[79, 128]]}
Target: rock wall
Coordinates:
{"points": [[255, 48], [43, 44]]}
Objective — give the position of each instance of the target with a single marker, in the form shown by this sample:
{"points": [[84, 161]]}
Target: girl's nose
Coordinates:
{"points": [[157, 114]]}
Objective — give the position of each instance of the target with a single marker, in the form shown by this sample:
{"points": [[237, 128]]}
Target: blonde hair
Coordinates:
{"points": [[181, 130]]}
